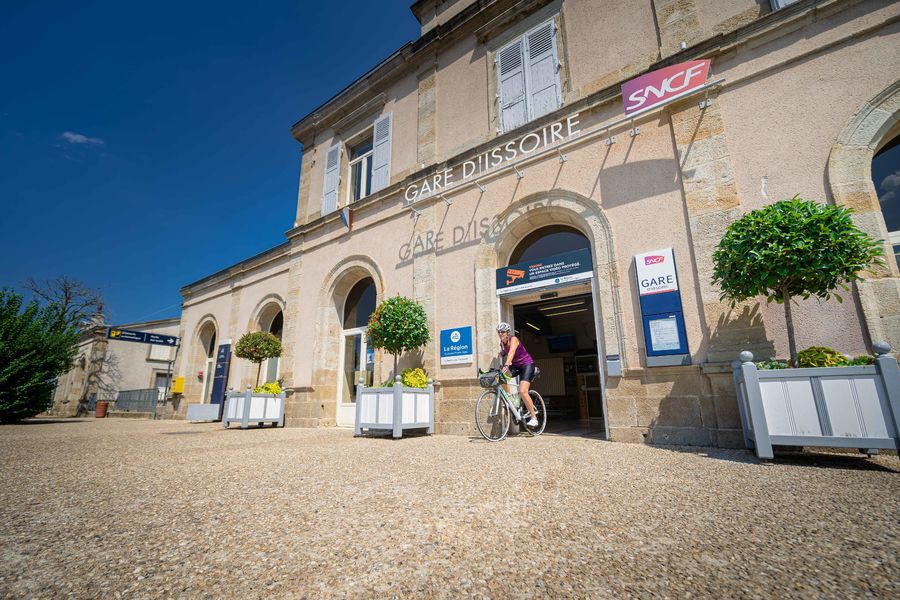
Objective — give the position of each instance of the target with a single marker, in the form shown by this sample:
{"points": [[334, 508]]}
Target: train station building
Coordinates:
{"points": [[558, 164]]}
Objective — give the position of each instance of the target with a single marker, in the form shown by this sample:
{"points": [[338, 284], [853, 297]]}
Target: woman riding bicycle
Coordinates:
{"points": [[517, 362]]}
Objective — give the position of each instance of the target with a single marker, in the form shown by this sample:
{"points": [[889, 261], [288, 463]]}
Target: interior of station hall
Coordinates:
{"points": [[617, 188]]}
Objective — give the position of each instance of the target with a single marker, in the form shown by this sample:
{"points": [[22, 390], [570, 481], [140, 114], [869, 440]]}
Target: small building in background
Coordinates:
{"points": [[104, 367]]}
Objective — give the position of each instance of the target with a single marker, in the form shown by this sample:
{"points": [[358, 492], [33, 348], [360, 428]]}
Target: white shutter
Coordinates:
{"points": [[543, 70], [511, 83], [381, 153], [332, 179]]}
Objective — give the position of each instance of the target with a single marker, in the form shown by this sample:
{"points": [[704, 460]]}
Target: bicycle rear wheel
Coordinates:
{"points": [[540, 411], [491, 416]]}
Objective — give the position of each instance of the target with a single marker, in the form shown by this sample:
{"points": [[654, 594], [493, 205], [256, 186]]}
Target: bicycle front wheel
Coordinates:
{"points": [[491, 416], [540, 411]]}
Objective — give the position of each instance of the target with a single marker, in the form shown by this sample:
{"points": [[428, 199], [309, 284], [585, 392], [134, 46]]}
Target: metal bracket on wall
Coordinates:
{"points": [[706, 102], [562, 157], [519, 174], [610, 139], [446, 199], [634, 130]]}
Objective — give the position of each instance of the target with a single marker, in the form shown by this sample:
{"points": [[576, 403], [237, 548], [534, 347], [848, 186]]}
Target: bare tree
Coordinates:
{"points": [[78, 304]]}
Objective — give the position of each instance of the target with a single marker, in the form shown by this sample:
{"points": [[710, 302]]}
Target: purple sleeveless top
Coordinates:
{"points": [[520, 358]]}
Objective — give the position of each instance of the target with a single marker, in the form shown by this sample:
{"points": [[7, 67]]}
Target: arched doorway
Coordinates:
{"points": [[357, 360], [271, 320], [206, 356], [886, 178], [548, 241], [556, 321]]}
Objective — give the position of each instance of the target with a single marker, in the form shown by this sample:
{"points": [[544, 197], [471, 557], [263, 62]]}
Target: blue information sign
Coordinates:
{"points": [[143, 337], [220, 380], [456, 345], [552, 270]]}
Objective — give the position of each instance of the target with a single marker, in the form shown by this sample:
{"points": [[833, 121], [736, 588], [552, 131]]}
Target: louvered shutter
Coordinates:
{"points": [[543, 70], [381, 153], [511, 83], [332, 179]]}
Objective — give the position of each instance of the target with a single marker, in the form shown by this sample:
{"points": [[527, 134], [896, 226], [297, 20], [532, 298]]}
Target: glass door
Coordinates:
{"points": [[356, 364]]}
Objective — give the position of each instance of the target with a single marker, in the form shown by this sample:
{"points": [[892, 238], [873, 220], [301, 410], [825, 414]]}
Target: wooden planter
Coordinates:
{"points": [[395, 408], [253, 407], [838, 407]]}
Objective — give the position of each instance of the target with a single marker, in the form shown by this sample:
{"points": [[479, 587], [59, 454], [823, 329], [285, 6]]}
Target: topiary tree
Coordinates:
{"points": [[258, 346], [397, 326], [792, 248]]}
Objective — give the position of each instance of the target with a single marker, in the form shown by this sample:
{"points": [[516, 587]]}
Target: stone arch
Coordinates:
{"points": [[261, 319], [264, 311], [199, 355], [850, 183], [554, 207], [329, 319]]}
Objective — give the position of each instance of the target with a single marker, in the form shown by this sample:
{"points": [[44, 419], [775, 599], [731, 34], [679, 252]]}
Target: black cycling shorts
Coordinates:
{"points": [[524, 373]]}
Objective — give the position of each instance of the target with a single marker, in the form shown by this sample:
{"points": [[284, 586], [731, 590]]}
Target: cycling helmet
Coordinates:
{"points": [[501, 327]]}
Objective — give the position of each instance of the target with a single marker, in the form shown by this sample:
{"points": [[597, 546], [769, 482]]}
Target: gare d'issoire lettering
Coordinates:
{"points": [[497, 156]]}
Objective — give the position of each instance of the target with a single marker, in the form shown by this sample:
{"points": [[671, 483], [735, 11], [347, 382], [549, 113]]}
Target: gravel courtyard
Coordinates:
{"points": [[121, 508]]}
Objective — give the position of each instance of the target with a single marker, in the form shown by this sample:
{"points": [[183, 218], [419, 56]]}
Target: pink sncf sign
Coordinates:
{"points": [[647, 91]]}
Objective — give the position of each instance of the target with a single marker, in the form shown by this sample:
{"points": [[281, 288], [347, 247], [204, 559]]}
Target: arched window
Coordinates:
{"points": [[547, 241], [886, 177], [271, 319], [360, 304]]}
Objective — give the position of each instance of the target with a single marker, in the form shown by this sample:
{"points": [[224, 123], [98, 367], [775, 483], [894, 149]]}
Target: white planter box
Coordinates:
{"points": [[395, 408], [253, 407], [839, 407]]}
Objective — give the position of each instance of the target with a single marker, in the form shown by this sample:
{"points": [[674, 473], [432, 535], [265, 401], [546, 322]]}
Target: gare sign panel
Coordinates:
{"points": [[656, 272], [647, 91]]}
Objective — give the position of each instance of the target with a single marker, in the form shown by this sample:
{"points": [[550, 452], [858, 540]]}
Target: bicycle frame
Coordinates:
{"points": [[503, 395]]}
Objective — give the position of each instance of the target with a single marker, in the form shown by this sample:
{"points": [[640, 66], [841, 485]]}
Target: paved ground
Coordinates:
{"points": [[115, 508]]}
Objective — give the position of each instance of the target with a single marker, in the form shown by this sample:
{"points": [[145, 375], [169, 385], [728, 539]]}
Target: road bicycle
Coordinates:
{"points": [[497, 408]]}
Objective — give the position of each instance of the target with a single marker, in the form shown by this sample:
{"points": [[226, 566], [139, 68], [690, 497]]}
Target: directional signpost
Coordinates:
{"points": [[145, 337]]}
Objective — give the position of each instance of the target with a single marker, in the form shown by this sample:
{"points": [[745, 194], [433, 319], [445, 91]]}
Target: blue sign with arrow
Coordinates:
{"points": [[143, 337]]}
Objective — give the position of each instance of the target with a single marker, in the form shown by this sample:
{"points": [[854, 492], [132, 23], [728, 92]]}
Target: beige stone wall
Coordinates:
{"points": [[716, 16], [232, 304], [606, 42]]}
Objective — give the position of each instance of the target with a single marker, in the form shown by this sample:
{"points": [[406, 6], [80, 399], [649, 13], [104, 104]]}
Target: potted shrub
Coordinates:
{"points": [[265, 403], [796, 248], [397, 325], [256, 347]]}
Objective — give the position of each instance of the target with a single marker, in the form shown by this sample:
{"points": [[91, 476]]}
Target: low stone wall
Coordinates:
{"points": [[693, 406]]}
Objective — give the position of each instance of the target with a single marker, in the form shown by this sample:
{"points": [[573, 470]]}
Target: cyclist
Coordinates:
{"points": [[517, 361]]}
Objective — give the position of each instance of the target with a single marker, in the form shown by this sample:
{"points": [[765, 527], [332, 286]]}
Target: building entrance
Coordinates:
{"points": [[547, 292], [560, 332]]}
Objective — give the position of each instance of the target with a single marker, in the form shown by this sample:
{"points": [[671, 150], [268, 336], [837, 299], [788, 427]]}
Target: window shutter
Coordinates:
{"points": [[511, 83], [332, 179], [381, 153], [543, 70]]}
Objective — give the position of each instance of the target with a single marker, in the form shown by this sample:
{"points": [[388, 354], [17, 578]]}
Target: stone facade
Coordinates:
{"points": [[809, 92]]}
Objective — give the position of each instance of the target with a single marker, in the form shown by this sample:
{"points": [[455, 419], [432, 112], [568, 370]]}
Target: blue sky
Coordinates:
{"points": [[143, 147]]}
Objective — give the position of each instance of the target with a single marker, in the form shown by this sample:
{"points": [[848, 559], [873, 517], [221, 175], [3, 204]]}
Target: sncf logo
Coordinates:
{"points": [[653, 260], [513, 274]]}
